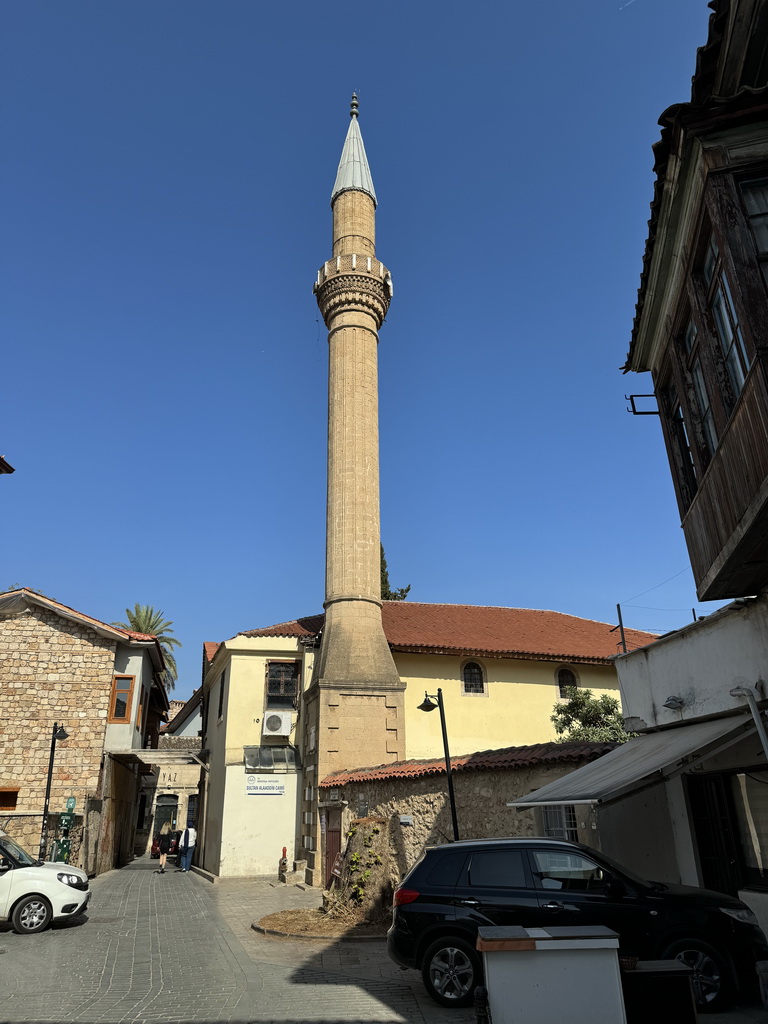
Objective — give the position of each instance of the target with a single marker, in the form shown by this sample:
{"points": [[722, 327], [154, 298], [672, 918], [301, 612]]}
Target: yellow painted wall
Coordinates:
{"points": [[514, 710], [246, 679], [244, 661]]}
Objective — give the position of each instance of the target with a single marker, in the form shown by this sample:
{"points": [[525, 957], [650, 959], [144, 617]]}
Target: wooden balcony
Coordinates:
{"points": [[726, 526]]}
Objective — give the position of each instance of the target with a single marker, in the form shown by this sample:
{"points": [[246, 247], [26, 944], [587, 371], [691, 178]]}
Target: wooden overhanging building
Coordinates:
{"points": [[702, 314]]}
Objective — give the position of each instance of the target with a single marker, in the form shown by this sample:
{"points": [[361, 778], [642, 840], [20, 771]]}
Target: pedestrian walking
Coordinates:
{"points": [[164, 845], [187, 847]]}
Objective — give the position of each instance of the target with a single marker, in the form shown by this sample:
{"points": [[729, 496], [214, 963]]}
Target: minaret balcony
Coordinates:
{"points": [[352, 282]]}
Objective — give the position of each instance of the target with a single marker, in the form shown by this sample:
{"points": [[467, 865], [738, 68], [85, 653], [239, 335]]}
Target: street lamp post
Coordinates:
{"points": [[429, 704], [58, 733]]}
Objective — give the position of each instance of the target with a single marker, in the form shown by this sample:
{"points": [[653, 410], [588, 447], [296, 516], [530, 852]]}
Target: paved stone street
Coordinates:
{"points": [[174, 948]]}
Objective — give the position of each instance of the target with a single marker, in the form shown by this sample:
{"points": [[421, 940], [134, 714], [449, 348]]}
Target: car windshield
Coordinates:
{"points": [[16, 852]]}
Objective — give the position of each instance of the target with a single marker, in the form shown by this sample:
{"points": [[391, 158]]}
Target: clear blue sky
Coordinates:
{"points": [[165, 205]]}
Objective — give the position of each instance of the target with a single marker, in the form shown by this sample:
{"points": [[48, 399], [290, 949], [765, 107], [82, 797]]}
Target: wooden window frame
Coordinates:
{"points": [[4, 791], [675, 423], [736, 273], [744, 185], [282, 661], [129, 702], [692, 355]]}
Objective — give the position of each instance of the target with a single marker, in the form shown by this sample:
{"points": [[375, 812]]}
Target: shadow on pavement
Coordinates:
{"points": [[371, 971]]}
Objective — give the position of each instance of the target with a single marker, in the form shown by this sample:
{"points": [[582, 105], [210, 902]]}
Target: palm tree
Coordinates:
{"points": [[144, 619]]}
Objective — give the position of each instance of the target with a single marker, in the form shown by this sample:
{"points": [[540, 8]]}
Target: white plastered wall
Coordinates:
{"points": [[257, 824]]}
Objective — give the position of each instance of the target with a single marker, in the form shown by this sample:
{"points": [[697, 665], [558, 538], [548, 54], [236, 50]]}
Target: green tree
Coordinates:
{"points": [[144, 619], [387, 594], [580, 717]]}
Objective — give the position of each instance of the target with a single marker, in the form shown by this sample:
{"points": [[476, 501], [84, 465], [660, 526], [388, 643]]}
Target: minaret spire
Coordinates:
{"points": [[354, 172], [355, 664]]}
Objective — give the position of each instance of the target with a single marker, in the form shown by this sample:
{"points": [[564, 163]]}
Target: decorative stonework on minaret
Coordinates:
{"points": [[360, 708]]}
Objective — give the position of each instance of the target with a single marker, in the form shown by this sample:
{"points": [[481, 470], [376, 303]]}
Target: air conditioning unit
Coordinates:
{"points": [[276, 723]]}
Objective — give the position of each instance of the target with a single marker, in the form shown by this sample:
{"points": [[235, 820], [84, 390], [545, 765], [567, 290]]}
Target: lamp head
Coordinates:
{"points": [[428, 704], [674, 703], [60, 734]]}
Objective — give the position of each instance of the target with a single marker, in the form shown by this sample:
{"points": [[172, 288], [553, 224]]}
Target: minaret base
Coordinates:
{"points": [[353, 650], [360, 695]]}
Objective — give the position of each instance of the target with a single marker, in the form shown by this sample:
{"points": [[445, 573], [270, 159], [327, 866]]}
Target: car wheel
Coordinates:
{"points": [[712, 987], [32, 914], [451, 971]]}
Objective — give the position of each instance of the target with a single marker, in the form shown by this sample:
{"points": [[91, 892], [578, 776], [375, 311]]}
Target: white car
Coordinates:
{"points": [[33, 892]]}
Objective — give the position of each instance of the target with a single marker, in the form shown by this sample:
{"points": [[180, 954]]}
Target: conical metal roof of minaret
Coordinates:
{"points": [[354, 172]]}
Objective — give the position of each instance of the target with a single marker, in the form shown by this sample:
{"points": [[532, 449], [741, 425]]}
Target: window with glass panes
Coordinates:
{"points": [[706, 417], [473, 678], [282, 684], [726, 320], [681, 445], [559, 822], [755, 194], [120, 705], [566, 678]]}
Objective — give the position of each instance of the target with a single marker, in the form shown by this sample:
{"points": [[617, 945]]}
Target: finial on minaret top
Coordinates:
{"points": [[353, 112]]}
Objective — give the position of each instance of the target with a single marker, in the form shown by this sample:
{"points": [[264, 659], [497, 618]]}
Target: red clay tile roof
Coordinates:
{"points": [[209, 650], [484, 630], [535, 755], [308, 626]]}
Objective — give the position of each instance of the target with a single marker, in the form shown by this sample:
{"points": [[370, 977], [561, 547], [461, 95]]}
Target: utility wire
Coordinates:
{"points": [[644, 592], [650, 608]]}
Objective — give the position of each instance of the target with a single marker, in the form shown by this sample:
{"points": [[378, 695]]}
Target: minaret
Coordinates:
{"points": [[360, 712]]}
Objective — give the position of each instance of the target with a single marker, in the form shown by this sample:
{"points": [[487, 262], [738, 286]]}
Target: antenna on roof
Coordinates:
{"points": [[620, 627]]}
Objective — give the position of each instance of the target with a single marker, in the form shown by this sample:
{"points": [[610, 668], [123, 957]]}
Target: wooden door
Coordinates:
{"points": [[332, 844]]}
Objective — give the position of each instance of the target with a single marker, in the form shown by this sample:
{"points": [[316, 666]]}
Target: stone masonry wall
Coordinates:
{"points": [[52, 670], [481, 809], [25, 830]]}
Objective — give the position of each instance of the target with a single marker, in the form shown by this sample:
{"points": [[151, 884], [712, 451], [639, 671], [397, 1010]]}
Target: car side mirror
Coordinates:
{"points": [[5, 864]]}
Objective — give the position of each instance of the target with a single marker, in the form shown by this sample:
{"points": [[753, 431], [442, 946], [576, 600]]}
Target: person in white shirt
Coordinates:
{"points": [[187, 843]]}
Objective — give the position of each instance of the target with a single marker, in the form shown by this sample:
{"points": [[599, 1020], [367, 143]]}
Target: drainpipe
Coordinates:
{"points": [[744, 691]]}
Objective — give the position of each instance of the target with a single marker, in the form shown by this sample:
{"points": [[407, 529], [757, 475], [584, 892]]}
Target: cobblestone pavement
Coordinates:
{"points": [[174, 948]]}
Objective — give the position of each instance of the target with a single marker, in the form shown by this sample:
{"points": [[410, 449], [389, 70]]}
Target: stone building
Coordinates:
{"points": [[101, 683]]}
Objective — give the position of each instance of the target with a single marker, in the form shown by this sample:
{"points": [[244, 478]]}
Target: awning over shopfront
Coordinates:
{"points": [[640, 762]]}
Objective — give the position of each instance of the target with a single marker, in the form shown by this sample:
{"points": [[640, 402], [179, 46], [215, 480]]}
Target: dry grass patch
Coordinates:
{"points": [[319, 923]]}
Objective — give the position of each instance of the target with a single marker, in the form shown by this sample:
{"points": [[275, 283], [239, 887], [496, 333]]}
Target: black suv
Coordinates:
{"points": [[456, 889]]}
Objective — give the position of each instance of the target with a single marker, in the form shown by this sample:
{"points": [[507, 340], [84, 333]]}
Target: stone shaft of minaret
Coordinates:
{"points": [[353, 292]]}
